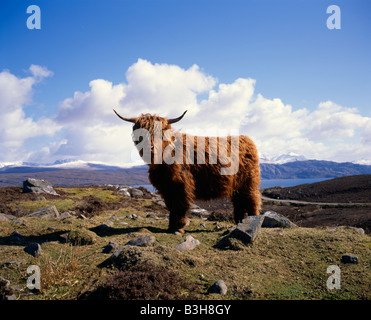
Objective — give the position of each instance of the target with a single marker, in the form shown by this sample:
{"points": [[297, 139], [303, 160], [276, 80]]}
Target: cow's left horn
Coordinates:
{"points": [[170, 121], [125, 119]]}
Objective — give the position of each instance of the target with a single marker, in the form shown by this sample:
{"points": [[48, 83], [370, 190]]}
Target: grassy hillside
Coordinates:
{"points": [[280, 264]]}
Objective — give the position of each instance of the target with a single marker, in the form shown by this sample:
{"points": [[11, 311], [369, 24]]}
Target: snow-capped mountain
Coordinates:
{"points": [[67, 164], [283, 158]]}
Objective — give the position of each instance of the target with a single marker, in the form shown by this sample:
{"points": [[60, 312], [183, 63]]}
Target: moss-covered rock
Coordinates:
{"points": [[80, 237]]}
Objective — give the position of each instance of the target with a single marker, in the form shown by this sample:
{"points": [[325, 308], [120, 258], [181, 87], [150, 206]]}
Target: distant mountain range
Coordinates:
{"points": [[77, 172]]}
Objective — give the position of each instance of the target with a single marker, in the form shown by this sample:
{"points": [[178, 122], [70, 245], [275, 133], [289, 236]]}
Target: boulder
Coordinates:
{"points": [[248, 229], [143, 240], [110, 247], [38, 186], [6, 217], [218, 287], [347, 258], [275, 220], [136, 193], [48, 213], [34, 249], [189, 244]]}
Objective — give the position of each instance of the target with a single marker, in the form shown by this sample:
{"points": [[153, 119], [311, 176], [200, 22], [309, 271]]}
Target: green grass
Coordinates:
{"points": [[280, 264]]}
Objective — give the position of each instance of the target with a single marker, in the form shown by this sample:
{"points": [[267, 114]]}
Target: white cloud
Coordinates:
{"points": [[15, 127], [92, 132], [39, 72]]}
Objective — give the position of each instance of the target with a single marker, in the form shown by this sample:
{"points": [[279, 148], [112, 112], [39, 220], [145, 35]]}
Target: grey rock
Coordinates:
{"points": [[132, 216], [346, 258], [125, 192], [34, 249], [200, 213], [110, 247], [136, 193], [143, 240], [275, 220], [13, 263], [38, 186], [48, 212], [189, 244], [65, 214], [20, 222], [161, 203], [6, 217], [248, 229], [218, 287]]}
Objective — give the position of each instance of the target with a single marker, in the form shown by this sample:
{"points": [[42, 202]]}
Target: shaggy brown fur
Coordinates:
{"points": [[180, 184]]}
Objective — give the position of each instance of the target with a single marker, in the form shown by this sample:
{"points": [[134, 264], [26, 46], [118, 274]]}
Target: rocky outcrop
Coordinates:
{"points": [[50, 212], [38, 186]]}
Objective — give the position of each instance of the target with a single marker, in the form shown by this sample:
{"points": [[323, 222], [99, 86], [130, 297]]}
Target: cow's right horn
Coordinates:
{"points": [[125, 119]]}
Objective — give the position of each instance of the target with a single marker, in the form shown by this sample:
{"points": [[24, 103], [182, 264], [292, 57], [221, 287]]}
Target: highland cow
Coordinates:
{"points": [[196, 172]]}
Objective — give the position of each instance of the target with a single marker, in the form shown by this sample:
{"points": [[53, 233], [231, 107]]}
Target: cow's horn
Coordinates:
{"points": [[125, 119], [170, 121]]}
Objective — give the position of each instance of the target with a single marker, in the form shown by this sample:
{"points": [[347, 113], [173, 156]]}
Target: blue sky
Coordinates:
{"points": [[285, 46]]}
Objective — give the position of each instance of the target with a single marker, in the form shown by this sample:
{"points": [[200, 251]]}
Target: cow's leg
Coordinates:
{"points": [[177, 187], [176, 202], [246, 202]]}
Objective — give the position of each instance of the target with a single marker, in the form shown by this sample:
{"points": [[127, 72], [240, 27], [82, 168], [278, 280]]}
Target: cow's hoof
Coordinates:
{"points": [[176, 232]]}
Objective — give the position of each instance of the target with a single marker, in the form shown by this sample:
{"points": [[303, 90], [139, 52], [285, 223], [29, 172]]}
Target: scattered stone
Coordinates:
{"points": [[34, 249], [13, 263], [38, 186], [143, 240], [136, 193], [189, 244], [110, 247], [6, 292], [124, 192], [218, 287], [39, 198], [64, 236], [248, 229], [200, 213], [81, 216], [122, 223], [202, 225], [48, 213], [20, 222], [6, 217], [346, 258], [132, 216], [108, 223], [65, 214], [275, 220]]}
